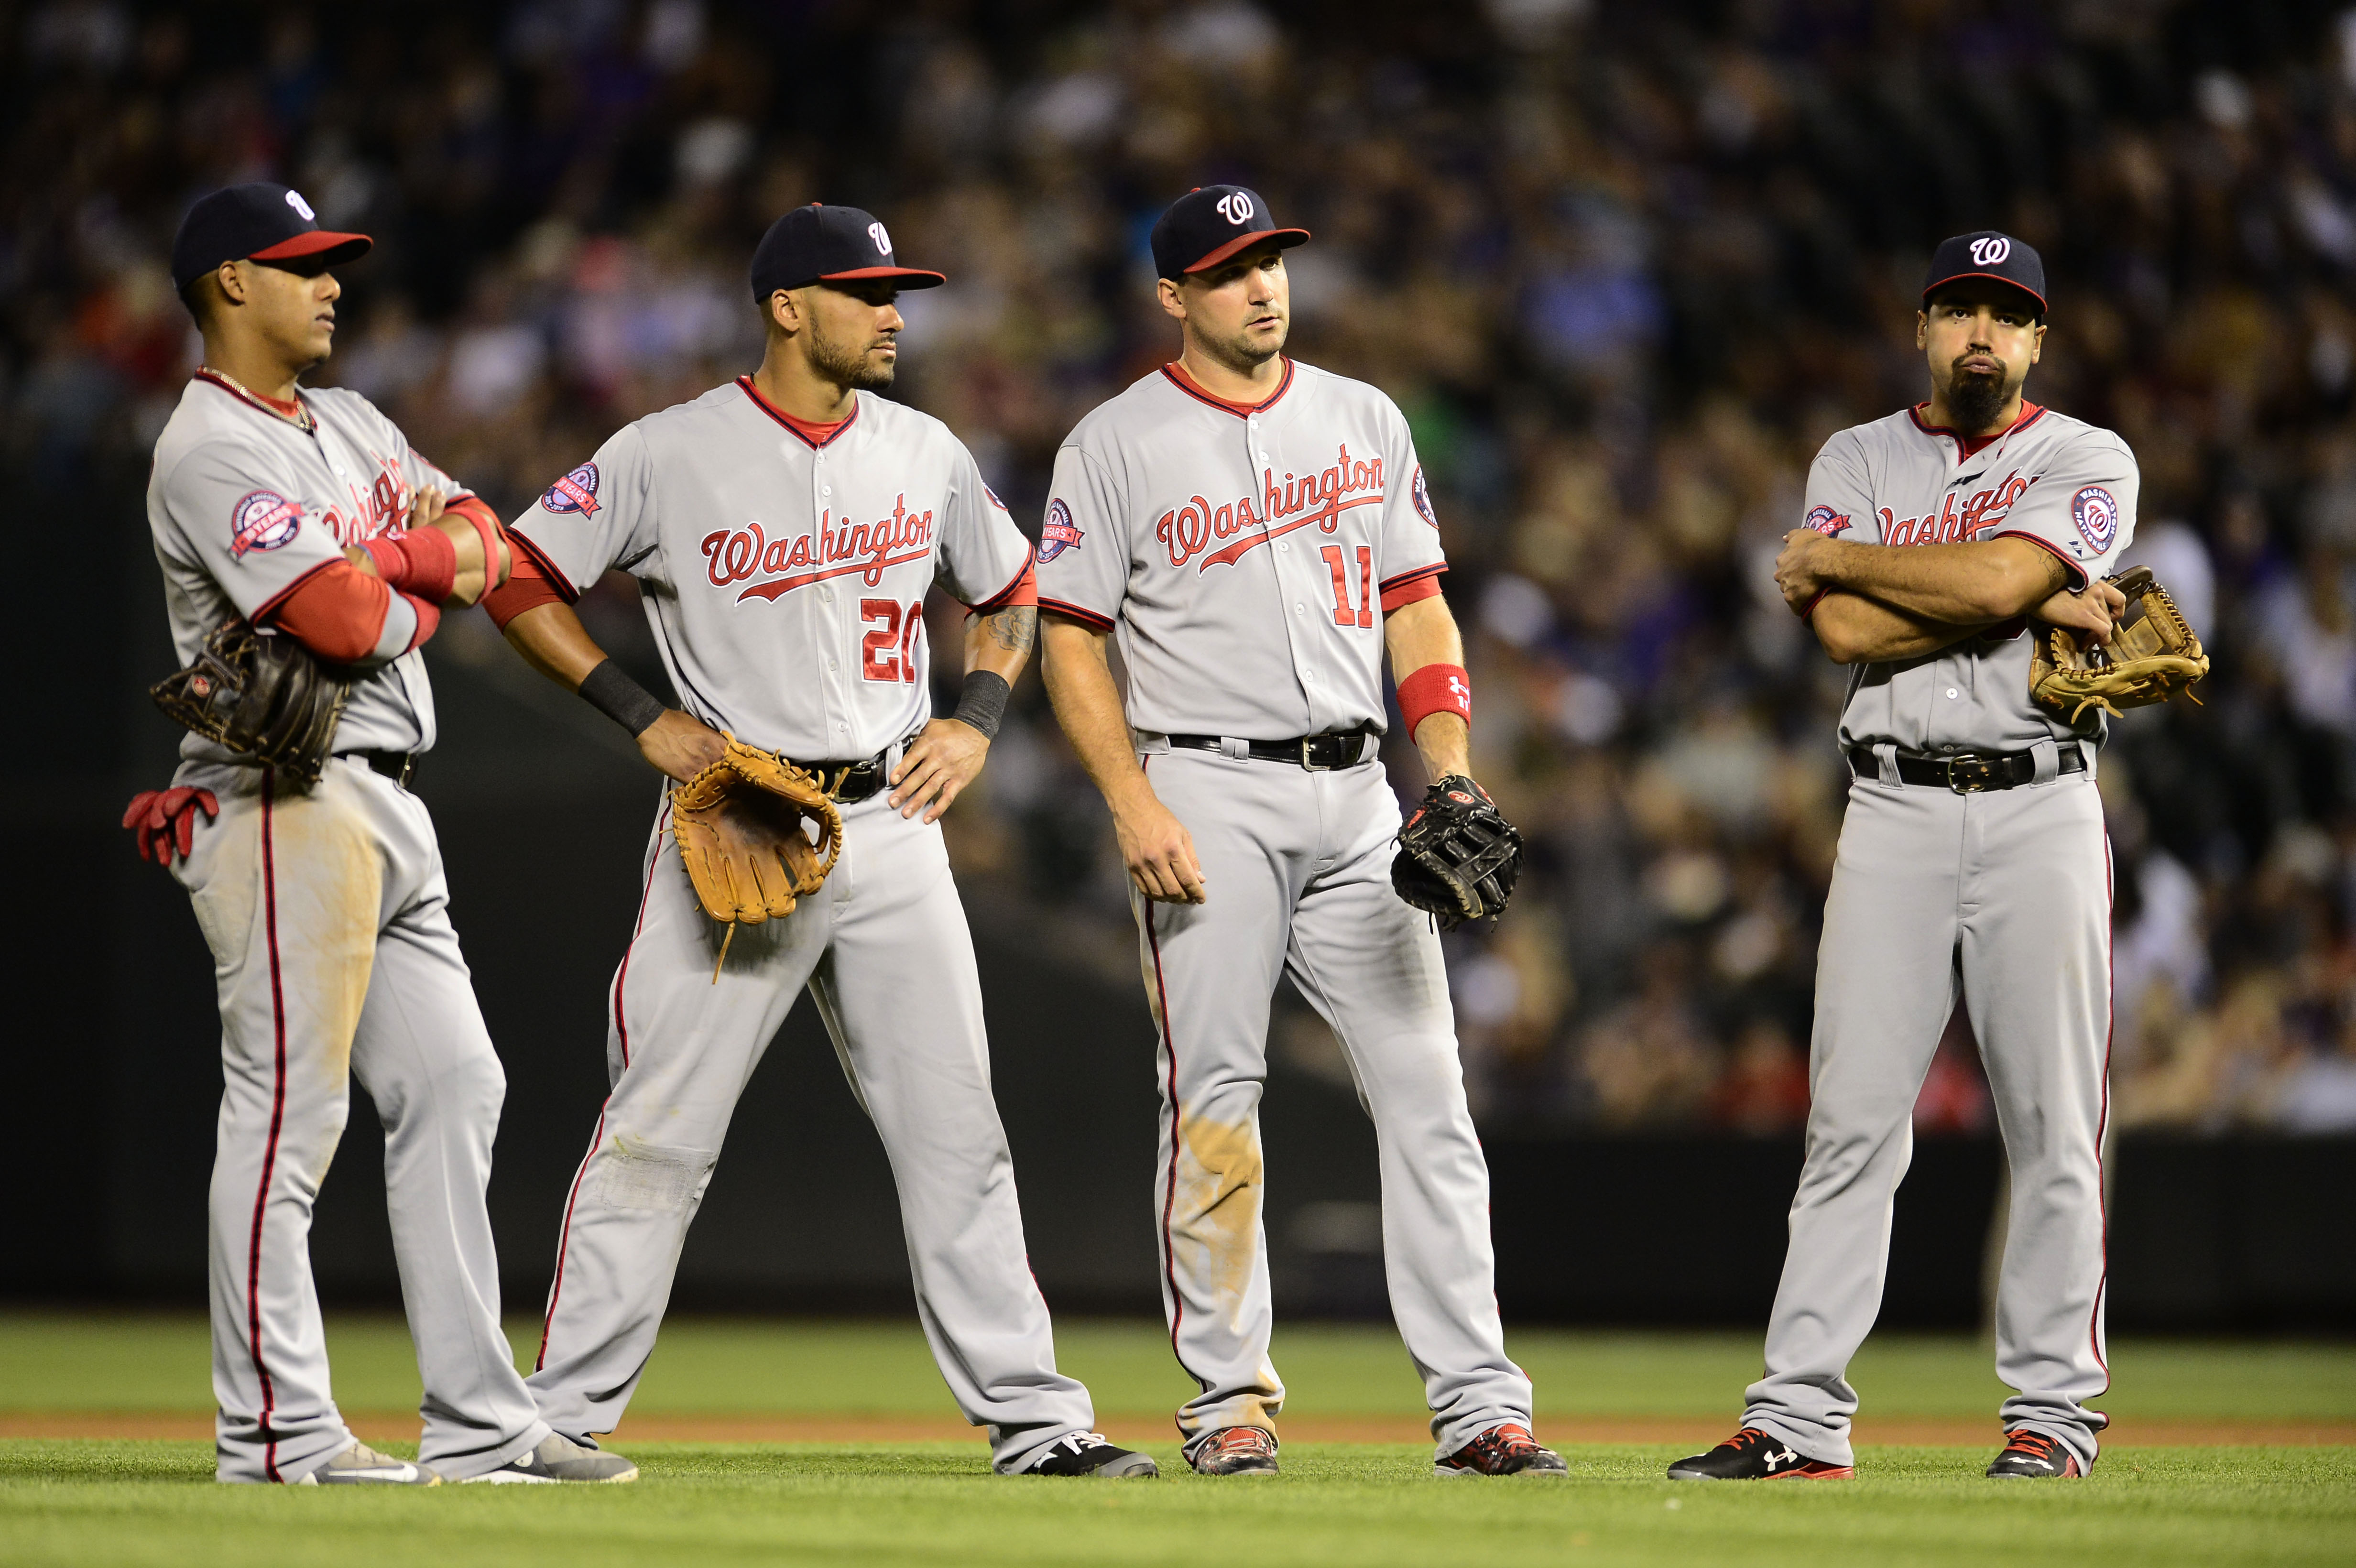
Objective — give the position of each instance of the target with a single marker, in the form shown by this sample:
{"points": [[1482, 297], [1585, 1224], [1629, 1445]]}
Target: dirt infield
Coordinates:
{"points": [[1694, 1432]]}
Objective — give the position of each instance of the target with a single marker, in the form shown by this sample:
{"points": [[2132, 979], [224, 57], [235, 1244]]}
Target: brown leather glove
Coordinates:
{"points": [[742, 829]]}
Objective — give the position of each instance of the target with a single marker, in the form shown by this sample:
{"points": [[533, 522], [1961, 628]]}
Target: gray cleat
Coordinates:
{"points": [[558, 1459], [361, 1466]]}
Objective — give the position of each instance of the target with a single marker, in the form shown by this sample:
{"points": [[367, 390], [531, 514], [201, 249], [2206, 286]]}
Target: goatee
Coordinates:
{"points": [[1975, 399], [847, 367]]}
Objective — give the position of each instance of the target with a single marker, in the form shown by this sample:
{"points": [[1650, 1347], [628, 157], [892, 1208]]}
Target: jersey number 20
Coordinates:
{"points": [[889, 651], [1363, 615]]}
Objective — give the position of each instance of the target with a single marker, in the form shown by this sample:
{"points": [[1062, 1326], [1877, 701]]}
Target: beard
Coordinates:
{"points": [[1974, 397], [845, 365]]}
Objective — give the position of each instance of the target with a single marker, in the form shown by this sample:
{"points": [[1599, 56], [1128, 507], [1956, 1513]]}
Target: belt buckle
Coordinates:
{"points": [[1308, 763], [1974, 783]]}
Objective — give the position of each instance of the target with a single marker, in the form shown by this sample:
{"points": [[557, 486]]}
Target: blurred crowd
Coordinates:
{"points": [[1624, 267]]}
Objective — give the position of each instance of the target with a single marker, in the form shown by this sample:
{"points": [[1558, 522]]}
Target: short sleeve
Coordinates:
{"points": [[1839, 501], [1083, 547], [597, 516], [2081, 509], [1407, 537], [239, 523], [982, 557]]}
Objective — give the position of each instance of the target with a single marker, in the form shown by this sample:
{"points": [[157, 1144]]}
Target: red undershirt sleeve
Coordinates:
{"points": [[527, 587], [338, 613]]}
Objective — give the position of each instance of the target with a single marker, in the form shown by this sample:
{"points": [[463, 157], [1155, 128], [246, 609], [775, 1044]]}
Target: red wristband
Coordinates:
{"points": [[422, 561], [429, 620], [1435, 688]]}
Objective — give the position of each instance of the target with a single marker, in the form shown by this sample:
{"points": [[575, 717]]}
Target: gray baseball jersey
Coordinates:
{"points": [[246, 504], [2000, 899], [2061, 483], [327, 915], [1243, 554], [1260, 539], [785, 581]]}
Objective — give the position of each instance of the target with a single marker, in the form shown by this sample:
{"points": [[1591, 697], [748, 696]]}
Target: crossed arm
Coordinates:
{"points": [[1867, 603]]}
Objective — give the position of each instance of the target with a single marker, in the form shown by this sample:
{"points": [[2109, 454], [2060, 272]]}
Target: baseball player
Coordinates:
{"points": [[1972, 863], [785, 529], [308, 513], [1258, 533]]}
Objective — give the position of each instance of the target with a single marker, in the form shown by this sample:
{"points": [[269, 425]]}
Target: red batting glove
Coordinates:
{"points": [[166, 819]]}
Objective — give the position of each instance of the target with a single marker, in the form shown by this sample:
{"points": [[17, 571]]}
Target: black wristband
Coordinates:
{"points": [[610, 690], [982, 703]]}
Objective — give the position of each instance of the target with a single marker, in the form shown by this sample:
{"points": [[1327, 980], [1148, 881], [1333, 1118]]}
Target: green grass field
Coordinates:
{"points": [[85, 1501]]}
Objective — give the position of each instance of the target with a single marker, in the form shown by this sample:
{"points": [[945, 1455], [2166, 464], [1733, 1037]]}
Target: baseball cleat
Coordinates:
{"points": [[1751, 1455], [1088, 1454], [1508, 1450], [2032, 1456], [558, 1459], [1233, 1451], [361, 1466]]}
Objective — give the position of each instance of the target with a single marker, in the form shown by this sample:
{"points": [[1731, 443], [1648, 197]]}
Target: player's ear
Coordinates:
{"points": [[1173, 299], [1921, 329], [2037, 344], [783, 312], [229, 278]]}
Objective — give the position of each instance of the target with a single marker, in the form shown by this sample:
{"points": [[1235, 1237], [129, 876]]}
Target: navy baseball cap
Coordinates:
{"points": [[257, 222], [1211, 223], [1986, 253], [820, 244]]}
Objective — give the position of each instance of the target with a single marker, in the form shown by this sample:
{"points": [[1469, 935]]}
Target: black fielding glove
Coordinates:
{"points": [[1457, 857]]}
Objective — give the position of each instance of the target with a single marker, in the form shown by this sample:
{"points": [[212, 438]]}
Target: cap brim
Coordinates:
{"points": [[322, 245], [1285, 238], [906, 277], [1932, 288]]}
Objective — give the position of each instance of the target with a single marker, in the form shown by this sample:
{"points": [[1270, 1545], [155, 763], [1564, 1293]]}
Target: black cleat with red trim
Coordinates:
{"points": [[1508, 1450], [1751, 1455], [2033, 1457]]}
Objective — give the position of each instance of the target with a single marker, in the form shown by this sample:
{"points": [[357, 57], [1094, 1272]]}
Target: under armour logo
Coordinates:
{"points": [[1236, 207], [294, 199], [1456, 687], [1780, 1456], [883, 240], [1990, 249]]}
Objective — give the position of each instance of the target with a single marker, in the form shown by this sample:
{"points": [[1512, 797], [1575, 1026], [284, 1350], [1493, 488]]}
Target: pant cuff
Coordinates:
{"points": [[1810, 1440]]}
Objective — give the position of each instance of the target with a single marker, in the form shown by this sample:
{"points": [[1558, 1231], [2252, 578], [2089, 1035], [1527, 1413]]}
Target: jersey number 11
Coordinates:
{"points": [[1363, 615]]}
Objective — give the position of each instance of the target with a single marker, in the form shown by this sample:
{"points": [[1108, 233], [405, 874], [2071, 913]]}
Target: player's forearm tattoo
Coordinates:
{"points": [[1014, 628]]}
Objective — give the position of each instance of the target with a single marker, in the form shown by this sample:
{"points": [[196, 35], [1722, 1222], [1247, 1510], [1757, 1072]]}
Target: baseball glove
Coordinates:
{"points": [[2152, 655], [740, 827], [262, 695], [1457, 857]]}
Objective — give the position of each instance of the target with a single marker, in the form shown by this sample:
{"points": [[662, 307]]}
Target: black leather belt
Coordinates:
{"points": [[1318, 753], [396, 765], [848, 784], [1966, 773]]}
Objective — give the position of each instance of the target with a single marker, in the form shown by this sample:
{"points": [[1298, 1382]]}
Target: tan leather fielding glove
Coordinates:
{"points": [[741, 829], [2152, 655]]}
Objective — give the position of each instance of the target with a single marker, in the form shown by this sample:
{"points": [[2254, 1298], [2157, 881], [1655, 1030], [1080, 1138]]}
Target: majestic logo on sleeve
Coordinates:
{"points": [[1825, 521], [1423, 498], [867, 549], [1212, 536], [262, 519], [576, 492], [2097, 513], [1058, 533]]}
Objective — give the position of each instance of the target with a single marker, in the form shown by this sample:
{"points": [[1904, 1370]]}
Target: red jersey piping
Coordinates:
{"points": [[800, 428], [1086, 617], [1970, 445], [1193, 388]]}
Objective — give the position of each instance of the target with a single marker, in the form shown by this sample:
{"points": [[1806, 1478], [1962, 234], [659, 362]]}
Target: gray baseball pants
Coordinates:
{"points": [[334, 958], [884, 950], [2002, 898], [1298, 869]]}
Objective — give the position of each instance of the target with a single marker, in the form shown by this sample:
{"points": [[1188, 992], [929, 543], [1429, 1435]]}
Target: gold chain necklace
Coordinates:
{"points": [[300, 419]]}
